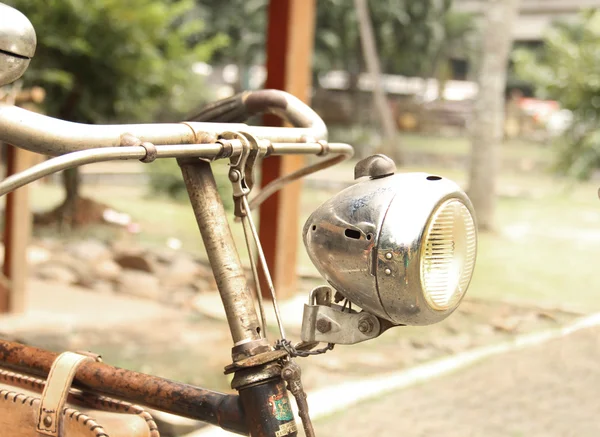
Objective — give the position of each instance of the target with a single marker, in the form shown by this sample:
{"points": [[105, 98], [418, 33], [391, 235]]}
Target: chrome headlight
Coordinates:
{"points": [[401, 247], [17, 44]]}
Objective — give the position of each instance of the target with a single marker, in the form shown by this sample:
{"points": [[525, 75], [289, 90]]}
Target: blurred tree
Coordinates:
{"points": [[390, 144], [408, 33], [244, 24], [106, 60], [458, 40], [488, 115], [565, 69]]}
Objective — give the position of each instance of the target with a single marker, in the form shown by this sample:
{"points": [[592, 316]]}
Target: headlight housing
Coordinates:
{"points": [[402, 247]]}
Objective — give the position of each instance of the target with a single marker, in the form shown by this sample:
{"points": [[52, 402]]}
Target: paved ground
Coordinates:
{"points": [[58, 308], [545, 391]]}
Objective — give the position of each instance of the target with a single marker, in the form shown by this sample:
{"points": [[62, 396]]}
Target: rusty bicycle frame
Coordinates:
{"points": [[256, 365]]}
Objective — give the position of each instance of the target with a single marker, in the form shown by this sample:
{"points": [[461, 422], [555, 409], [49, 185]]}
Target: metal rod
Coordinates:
{"points": [[263, 261], [172, 397], [277, 184], [311, 149], [221, 250], [90, 156], [50, 136], [259, 296]]}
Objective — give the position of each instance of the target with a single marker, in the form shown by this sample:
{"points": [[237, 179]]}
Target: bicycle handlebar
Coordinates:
{"points": [[50, 136], [77, 144]]}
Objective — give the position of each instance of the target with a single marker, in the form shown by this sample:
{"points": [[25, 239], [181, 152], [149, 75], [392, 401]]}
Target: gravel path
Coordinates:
{"points": [[545, 391]]}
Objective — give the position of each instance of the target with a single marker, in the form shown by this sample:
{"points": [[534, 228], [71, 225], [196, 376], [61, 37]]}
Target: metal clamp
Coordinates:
{"points": [[151, 152], [241, 168], [324, 321]]}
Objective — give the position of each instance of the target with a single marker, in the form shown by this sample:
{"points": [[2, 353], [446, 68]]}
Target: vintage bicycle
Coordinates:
{"points": [[395, 250]]}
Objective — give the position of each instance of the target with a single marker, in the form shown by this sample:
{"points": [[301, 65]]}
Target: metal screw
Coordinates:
{"points": [[388, 255], [323, 326], [387, 272], [48, 421], [365, 325], [234, 176]]}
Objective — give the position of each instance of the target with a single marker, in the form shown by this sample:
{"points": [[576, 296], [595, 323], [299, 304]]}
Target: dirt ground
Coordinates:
{"points": [[546, 391], [191, 347]]}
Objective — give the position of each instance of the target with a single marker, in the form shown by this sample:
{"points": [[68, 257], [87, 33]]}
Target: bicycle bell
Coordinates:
{"points": [[17, 44], [400, 246]]}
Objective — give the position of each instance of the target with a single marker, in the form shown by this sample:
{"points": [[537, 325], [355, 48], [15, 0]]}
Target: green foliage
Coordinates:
{"points": [[245, 24], [409, 35], [565, 69], [458, 40], [107, 60]]}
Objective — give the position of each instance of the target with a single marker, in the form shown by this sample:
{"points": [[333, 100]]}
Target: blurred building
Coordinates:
{"points": [[534, 15]]}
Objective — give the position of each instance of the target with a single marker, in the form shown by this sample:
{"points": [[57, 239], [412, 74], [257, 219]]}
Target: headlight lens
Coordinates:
{"points": [[448, 255]]}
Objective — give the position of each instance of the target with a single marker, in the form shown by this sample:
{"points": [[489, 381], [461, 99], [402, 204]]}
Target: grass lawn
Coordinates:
{"points": [[442, 145]]}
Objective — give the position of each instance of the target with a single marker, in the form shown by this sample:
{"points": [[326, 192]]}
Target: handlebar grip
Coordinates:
{"points": [[240, 107]]}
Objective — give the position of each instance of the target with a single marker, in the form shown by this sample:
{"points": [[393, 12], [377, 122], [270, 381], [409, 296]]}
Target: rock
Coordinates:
{"points": [[64, 262], [57, 273], [418, 343], [103, 287], [138, 283], [182, 298], [165, 256], [37, 255], [205, 271], [133, 261], [107, 270], [88, 250], [506, 324], [202, 285], [125, 246], [181, 273]]}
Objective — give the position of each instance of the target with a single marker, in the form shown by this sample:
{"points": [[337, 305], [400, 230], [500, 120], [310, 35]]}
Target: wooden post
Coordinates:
{"points": [[290, 41], [17, 230], [17, 215]]}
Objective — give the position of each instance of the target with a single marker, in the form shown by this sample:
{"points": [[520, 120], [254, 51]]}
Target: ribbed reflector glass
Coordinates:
{"points": [[448, 255]]}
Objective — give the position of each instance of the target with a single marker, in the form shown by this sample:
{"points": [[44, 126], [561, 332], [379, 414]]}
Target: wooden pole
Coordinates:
{"points": [[290, 40], [17, 216], [17, 230]]}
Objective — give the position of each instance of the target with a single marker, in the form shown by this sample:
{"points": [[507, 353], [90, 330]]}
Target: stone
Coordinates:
{"points": [[506, 324], [133, 261], [165, 256], [107, 270], [54, 272], [140, 284], [37, 255], [205, 271], [181, 273], [202, 285], [88, 250], [103, 287], [181, 298]]}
